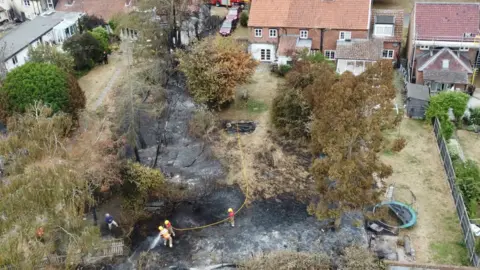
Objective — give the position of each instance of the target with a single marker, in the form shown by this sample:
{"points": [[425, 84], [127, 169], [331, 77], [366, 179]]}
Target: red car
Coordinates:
{"points": [[227, 28], [233, 13]]}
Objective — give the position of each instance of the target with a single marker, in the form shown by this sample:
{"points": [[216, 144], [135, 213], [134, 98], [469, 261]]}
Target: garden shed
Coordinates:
{"points": [[417, 100]]}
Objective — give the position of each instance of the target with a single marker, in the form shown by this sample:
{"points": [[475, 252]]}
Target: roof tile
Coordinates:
{"points": [[434, 20], [333, 14], [360, 49]]}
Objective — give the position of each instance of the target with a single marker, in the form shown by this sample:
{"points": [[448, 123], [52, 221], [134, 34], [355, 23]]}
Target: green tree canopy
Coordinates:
{"points": [[85, 49], [36, 81], [50, 55], [214, 67], [100, 34], [439, 106]]}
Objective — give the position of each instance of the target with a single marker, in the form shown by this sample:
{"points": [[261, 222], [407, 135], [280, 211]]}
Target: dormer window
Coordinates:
{"points": [[384, 26], [445, 63]]}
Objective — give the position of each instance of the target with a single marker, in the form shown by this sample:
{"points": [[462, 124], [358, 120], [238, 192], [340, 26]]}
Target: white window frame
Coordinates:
{"points": [[424, 47], [330, 54], [14, 60], [265, 54], [389, 52], [303, 34], [344, 35], [258, 32], [272, 31], [26, 2], [380, 30], [463, 49]]}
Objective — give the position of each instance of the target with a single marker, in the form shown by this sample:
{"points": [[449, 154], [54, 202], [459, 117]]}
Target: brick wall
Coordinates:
{"points": [[329, 42], [389, 46], [330, 37], [419, 76], [265, 36]]}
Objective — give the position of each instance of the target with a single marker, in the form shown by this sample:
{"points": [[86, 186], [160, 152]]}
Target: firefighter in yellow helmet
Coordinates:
{"points": [[231, 217], [166, 236], [169, 227]]}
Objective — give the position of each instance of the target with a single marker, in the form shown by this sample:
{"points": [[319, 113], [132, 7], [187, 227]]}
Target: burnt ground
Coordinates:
{"points": [[264, 226], [278, 223]]}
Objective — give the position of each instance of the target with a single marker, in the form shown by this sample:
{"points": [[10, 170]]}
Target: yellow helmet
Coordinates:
{"points": [[160, 228], [167, 222], [230, 210]]}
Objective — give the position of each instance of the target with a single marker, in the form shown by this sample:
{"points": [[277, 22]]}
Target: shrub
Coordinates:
{"points": [[100, 34], [76, 97], [244, 19], [290, 113], [202, 123], [214, 67], [283, 260], [475, 116], [468, 181], [50, 55], [36, 81], [283, 70], [399, 144], [89, 22], [85, 49], [360, 258], [439, 106]]}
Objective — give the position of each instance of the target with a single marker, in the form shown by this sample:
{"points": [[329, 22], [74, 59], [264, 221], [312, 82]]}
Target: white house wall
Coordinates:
{"points": [[22, 56], [342, 66], [283, 60], [35, 8], [256, 48]]}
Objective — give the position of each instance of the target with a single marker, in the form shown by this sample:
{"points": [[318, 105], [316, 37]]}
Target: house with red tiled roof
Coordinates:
{"points": [[443, 44], [279, 28], [104, 9]]}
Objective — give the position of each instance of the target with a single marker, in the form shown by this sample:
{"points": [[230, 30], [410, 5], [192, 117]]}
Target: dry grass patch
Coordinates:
{"points": [[419, 168], [269, 168]]}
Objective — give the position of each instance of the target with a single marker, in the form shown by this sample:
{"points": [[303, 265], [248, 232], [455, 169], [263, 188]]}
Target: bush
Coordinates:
{"points": [[214, 67], [100, 34], [439, 106], [475, 116], [290, 113], [36, 82], [399, 144], [355, 258], [202, 123], [283, 70], [50, 55], [85, 49], [89, 22], [76, 97], [244, 19], [468, 181], [283, 260]]}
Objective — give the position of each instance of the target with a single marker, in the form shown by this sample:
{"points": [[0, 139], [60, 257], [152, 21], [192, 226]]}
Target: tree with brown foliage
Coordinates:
{"points": [[214, 68], [292, 108], [349, 114]]}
